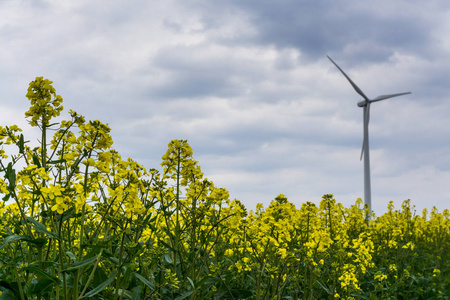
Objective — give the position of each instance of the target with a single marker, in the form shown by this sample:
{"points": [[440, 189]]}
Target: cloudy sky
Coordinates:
{"points": [[249, 85]]}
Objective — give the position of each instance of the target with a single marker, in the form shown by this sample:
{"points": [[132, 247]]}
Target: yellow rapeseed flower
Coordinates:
{"points": [[61, 204], [436, 272], [380, 276]]}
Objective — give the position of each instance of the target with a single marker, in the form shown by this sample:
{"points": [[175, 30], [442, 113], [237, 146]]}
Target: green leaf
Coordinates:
{"points": [[70, 214], [145, 281], [21, 144], [13, 238], [126, 277], [41, 228], [167, 258], [42, 273], [329, 292], [99, 277], [42, 285], [45, 263], [241, 294], [126, 293], [11, 175], [136, 293], [101, 286], [6, 197], [71, 255], [36, 160], [184, 295], [206, 280], [79, 264], [7, 294], [191, 282], [114, 260], [39, 241]]}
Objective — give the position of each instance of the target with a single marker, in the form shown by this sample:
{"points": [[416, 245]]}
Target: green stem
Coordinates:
{"points": [[22, 296], [92, 273], [80, 253], [61, 255], [177, 212], [83, 216], [120, 262], [44, 144]]}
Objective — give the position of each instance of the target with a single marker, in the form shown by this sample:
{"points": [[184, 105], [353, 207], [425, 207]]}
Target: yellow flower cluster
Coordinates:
{"points": [[348, 278], [45, 104]]}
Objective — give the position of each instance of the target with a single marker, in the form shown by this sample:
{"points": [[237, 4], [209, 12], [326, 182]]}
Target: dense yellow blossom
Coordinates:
{"points": [[79, 221]]}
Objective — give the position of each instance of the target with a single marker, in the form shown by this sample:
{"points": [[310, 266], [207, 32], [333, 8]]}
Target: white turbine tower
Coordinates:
{"points": [[365, 104]]}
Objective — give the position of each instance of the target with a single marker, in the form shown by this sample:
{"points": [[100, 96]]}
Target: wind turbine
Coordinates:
{"points": [[365, 104]]}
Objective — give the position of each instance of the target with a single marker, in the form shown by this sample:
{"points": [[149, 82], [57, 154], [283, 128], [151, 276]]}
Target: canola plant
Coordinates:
{"points": [[77, 221]]}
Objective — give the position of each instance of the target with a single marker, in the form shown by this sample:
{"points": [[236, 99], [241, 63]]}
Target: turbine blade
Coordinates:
{"points": [[357, 89], [366, 120], [383, 97], [362, 150]]}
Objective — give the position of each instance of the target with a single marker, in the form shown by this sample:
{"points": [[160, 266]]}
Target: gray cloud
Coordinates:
{"points": [[364, 32], [249, 85]]}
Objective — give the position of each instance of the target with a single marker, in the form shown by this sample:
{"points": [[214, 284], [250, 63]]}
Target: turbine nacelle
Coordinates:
{"points": [[362, 103]]}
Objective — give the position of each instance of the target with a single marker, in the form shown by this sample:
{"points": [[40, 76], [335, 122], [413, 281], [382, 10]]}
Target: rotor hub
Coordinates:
{"points": [[362, 103]]}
